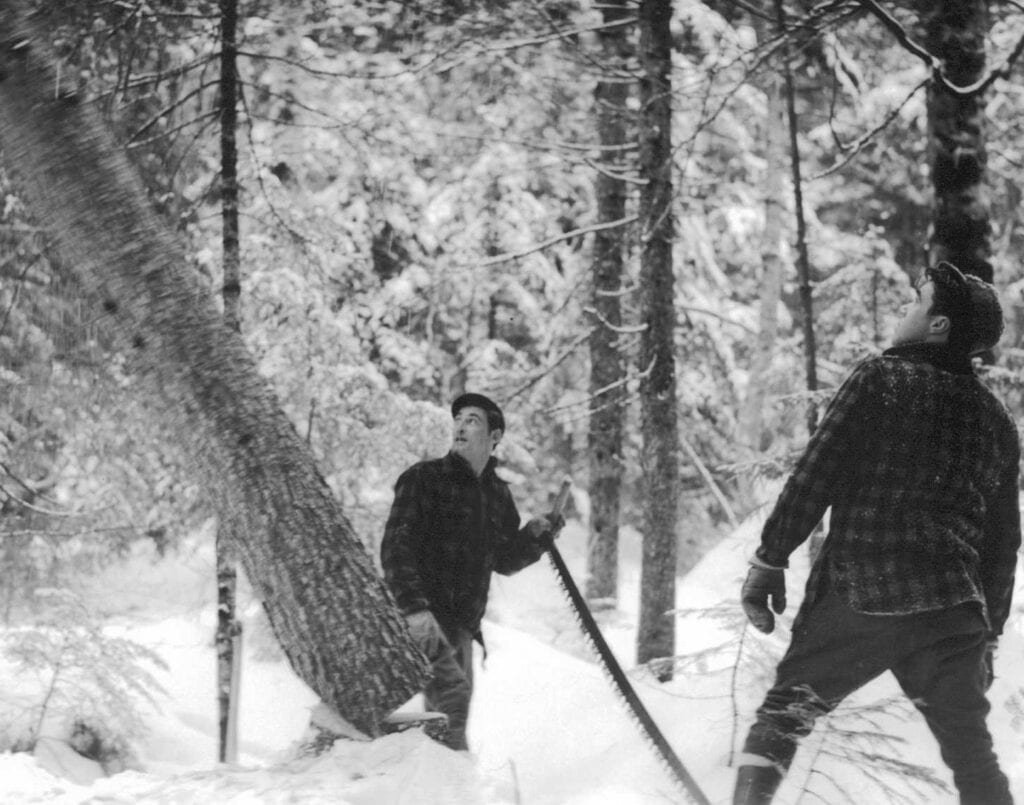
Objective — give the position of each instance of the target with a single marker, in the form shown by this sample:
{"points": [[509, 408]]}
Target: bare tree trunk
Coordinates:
{"points": [[328, 608], [229, 629], [660, 459], [803, 260], [772, 250], [961, 228], [607, 389], [231, 290], [817, 540]]}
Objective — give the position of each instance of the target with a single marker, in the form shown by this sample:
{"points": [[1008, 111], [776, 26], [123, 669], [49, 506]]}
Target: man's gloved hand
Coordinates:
{"points": [[423, 624], [427, 633], [990, 663], [764, 583], [545, 528]]}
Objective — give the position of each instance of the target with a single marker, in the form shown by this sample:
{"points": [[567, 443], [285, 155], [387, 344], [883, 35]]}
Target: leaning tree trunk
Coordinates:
{"points": [[660, 458], [961, 228], [328, 608], [607, 371]]}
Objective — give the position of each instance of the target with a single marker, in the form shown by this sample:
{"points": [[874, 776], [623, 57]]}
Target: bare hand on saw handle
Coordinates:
{"points": [[545, 528], [764, 583]]}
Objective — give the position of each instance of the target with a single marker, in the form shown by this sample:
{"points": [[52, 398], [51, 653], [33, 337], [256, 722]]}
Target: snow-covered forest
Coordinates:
{"points": [[251, 251]]}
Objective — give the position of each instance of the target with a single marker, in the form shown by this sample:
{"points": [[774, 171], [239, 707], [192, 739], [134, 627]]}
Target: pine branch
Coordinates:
{"points": [[539, 247], [733, 698], [566, 37], [153, 79], [544, 372], [168, 110], [933, 63], [716, 490], [483, 47], [203, 121], [296, 236], [868, 138], [622, 329]]}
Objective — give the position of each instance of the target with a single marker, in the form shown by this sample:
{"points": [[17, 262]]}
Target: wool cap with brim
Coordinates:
{"points": [[473, 400]]}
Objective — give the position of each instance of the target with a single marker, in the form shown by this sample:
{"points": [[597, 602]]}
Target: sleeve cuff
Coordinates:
{"points": [[418, 605], [759, 559]]}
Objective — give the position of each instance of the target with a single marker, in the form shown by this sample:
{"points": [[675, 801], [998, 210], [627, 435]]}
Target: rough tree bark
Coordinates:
{"points": [[328, 608], [961, 227], [660, 455], [607, 390]]}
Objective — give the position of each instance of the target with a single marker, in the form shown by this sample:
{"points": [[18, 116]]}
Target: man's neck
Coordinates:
{"points": [[936, 353]]}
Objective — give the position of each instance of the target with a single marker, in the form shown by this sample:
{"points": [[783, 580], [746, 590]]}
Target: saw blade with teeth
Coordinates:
{"points": [[611, 666]]}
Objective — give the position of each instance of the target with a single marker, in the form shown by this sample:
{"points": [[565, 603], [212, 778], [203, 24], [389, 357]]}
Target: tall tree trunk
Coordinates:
{"points": [[607, 372], [803, 260], [773, 247], [228, 626], [961, 228], [817, 539], [660, 458], [231, 290], [326, 604]]}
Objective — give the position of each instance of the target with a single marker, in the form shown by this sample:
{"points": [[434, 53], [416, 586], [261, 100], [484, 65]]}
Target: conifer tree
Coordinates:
{"points": [[228, 634], [607, 369], [660, 460], [955, 34]]}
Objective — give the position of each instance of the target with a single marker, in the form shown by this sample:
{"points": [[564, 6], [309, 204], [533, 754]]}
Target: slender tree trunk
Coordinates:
{"points": [[772, 250], [607, 390], [660, 458], [803, 260], [326, 604], [817, 540], [231, 290], [228, 626], [961, 228]]}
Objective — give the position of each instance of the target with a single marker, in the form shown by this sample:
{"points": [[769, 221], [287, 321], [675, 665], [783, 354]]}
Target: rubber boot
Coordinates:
{"points": [[756, 785]]}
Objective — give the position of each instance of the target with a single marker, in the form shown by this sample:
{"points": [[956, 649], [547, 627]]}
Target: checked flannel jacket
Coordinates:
{"points": [[447, 531], [919, 463]]}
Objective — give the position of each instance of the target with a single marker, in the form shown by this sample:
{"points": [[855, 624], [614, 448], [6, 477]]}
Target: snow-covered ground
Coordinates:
{"points": [[546, 727]]}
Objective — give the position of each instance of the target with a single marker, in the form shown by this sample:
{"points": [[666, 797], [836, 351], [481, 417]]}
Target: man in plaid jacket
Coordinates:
{"points": [[453, 522], [918, 462]]}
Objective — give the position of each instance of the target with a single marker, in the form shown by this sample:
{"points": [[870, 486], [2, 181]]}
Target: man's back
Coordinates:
{"points": [[930, 490], [919, 464]]}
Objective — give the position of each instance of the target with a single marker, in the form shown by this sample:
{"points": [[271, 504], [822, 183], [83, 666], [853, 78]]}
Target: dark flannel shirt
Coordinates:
{"points": [[919, 462], [447, 532]]}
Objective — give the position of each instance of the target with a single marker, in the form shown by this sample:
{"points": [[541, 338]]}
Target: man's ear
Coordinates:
{"points": [[496, 437], [939, 325]]}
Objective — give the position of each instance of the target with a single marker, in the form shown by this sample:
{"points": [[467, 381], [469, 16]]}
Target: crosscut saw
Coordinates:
{"points": [[619, 679]]}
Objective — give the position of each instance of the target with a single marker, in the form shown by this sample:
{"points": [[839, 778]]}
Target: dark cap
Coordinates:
{"points": [[972, 305], [495, 419]]}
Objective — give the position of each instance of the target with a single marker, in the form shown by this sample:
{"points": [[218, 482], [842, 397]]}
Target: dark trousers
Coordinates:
{"points": [[450, 687], [938, 660]]}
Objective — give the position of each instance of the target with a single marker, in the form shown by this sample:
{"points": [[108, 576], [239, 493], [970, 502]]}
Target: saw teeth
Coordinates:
{"points": [[620, 683]]}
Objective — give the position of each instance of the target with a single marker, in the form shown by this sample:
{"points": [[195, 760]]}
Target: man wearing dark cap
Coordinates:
{"points": [[918, 462], [453, 522]]}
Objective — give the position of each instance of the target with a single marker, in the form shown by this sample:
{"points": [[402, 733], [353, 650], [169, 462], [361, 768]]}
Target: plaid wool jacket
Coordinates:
{"points": [[448, 530], [919, 463]]}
